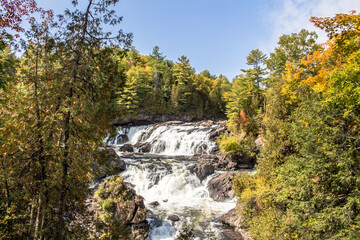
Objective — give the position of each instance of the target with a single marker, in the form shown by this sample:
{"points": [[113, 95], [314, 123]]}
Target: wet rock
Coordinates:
{"points": [[173, 218], [217, 132], [121, 138], [143, 147], [225, 162], [215, 150], [202, 170], [172, 123], [206, 123], [126, 148], [146, 119], [159, 146], [233, 219], [220, 187], [236, 221], [154, 204], [154, 222]]}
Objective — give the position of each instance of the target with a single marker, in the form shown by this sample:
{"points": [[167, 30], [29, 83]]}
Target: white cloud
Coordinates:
{"points": [[293, 15]]}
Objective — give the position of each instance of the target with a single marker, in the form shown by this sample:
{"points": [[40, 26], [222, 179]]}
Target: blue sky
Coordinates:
{"points": [[215, 35]]}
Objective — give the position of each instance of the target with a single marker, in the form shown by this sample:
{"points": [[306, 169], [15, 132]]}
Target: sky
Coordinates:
{"points": [[215, 35]]}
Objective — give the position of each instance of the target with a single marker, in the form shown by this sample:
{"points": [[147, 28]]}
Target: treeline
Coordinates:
{"points": [[154, 85], [57, 100], [298, 112]]}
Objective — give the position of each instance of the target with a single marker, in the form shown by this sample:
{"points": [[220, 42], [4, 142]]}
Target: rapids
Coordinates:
{"points": [[168, 181]]}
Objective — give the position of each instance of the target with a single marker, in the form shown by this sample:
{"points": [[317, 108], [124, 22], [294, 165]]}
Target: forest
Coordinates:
{"points": [[64, 80]]}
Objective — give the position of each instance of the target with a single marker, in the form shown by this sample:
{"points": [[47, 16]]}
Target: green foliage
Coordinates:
{"points": [[307, 184], [154, 85], [111, 192], [56, 109], [229, 143]]}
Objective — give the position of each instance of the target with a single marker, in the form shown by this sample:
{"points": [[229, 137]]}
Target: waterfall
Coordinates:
{"points": [[166, 183], [123, 135], [170, 140], [178, 192]]}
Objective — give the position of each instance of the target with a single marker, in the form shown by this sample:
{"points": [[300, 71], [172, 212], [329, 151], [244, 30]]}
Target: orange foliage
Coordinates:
{"points": [[13, 11], [321, 62]]}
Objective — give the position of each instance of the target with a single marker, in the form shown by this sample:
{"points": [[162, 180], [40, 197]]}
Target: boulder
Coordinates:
{"points": [[202, 170], [126, 148], [220, 187], [116, 198], [154, 204], [233, 219], [154, 222], [173, 218], [143, 147], [237, 222]]}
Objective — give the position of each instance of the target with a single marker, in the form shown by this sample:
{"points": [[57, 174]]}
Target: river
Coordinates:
{"points": [[162, 177]]}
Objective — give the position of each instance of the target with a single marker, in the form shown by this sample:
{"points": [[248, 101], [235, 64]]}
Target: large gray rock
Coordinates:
{"points": [[143, 147], [126, 148], [125, 206], [237, 223], [173, 218], [225, 161], [220, 187], [202, 170], [233, 219]]}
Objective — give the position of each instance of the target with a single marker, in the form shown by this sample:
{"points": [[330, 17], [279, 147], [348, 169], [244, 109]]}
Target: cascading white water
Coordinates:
{"points": [[169, 182], [173, 140], [123, 135], [179, 192]]}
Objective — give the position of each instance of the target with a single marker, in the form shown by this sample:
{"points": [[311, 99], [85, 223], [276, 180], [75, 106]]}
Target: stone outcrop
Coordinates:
{"points": [[173, 218], [220, 187], [236, 221], [154, 204], [111, 164], [143, 147], [217, 132], [224, 161], [202, 170], [233, 219], [126, 148], [124, 206]]}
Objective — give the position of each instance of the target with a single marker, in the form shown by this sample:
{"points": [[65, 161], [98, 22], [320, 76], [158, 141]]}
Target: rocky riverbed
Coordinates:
{"points": [[180, 175]]}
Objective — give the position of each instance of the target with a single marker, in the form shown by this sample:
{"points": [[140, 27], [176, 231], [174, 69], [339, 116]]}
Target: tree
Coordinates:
{"points": [[13, 12], [256, 58], [59, 110], [306, 185]]}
